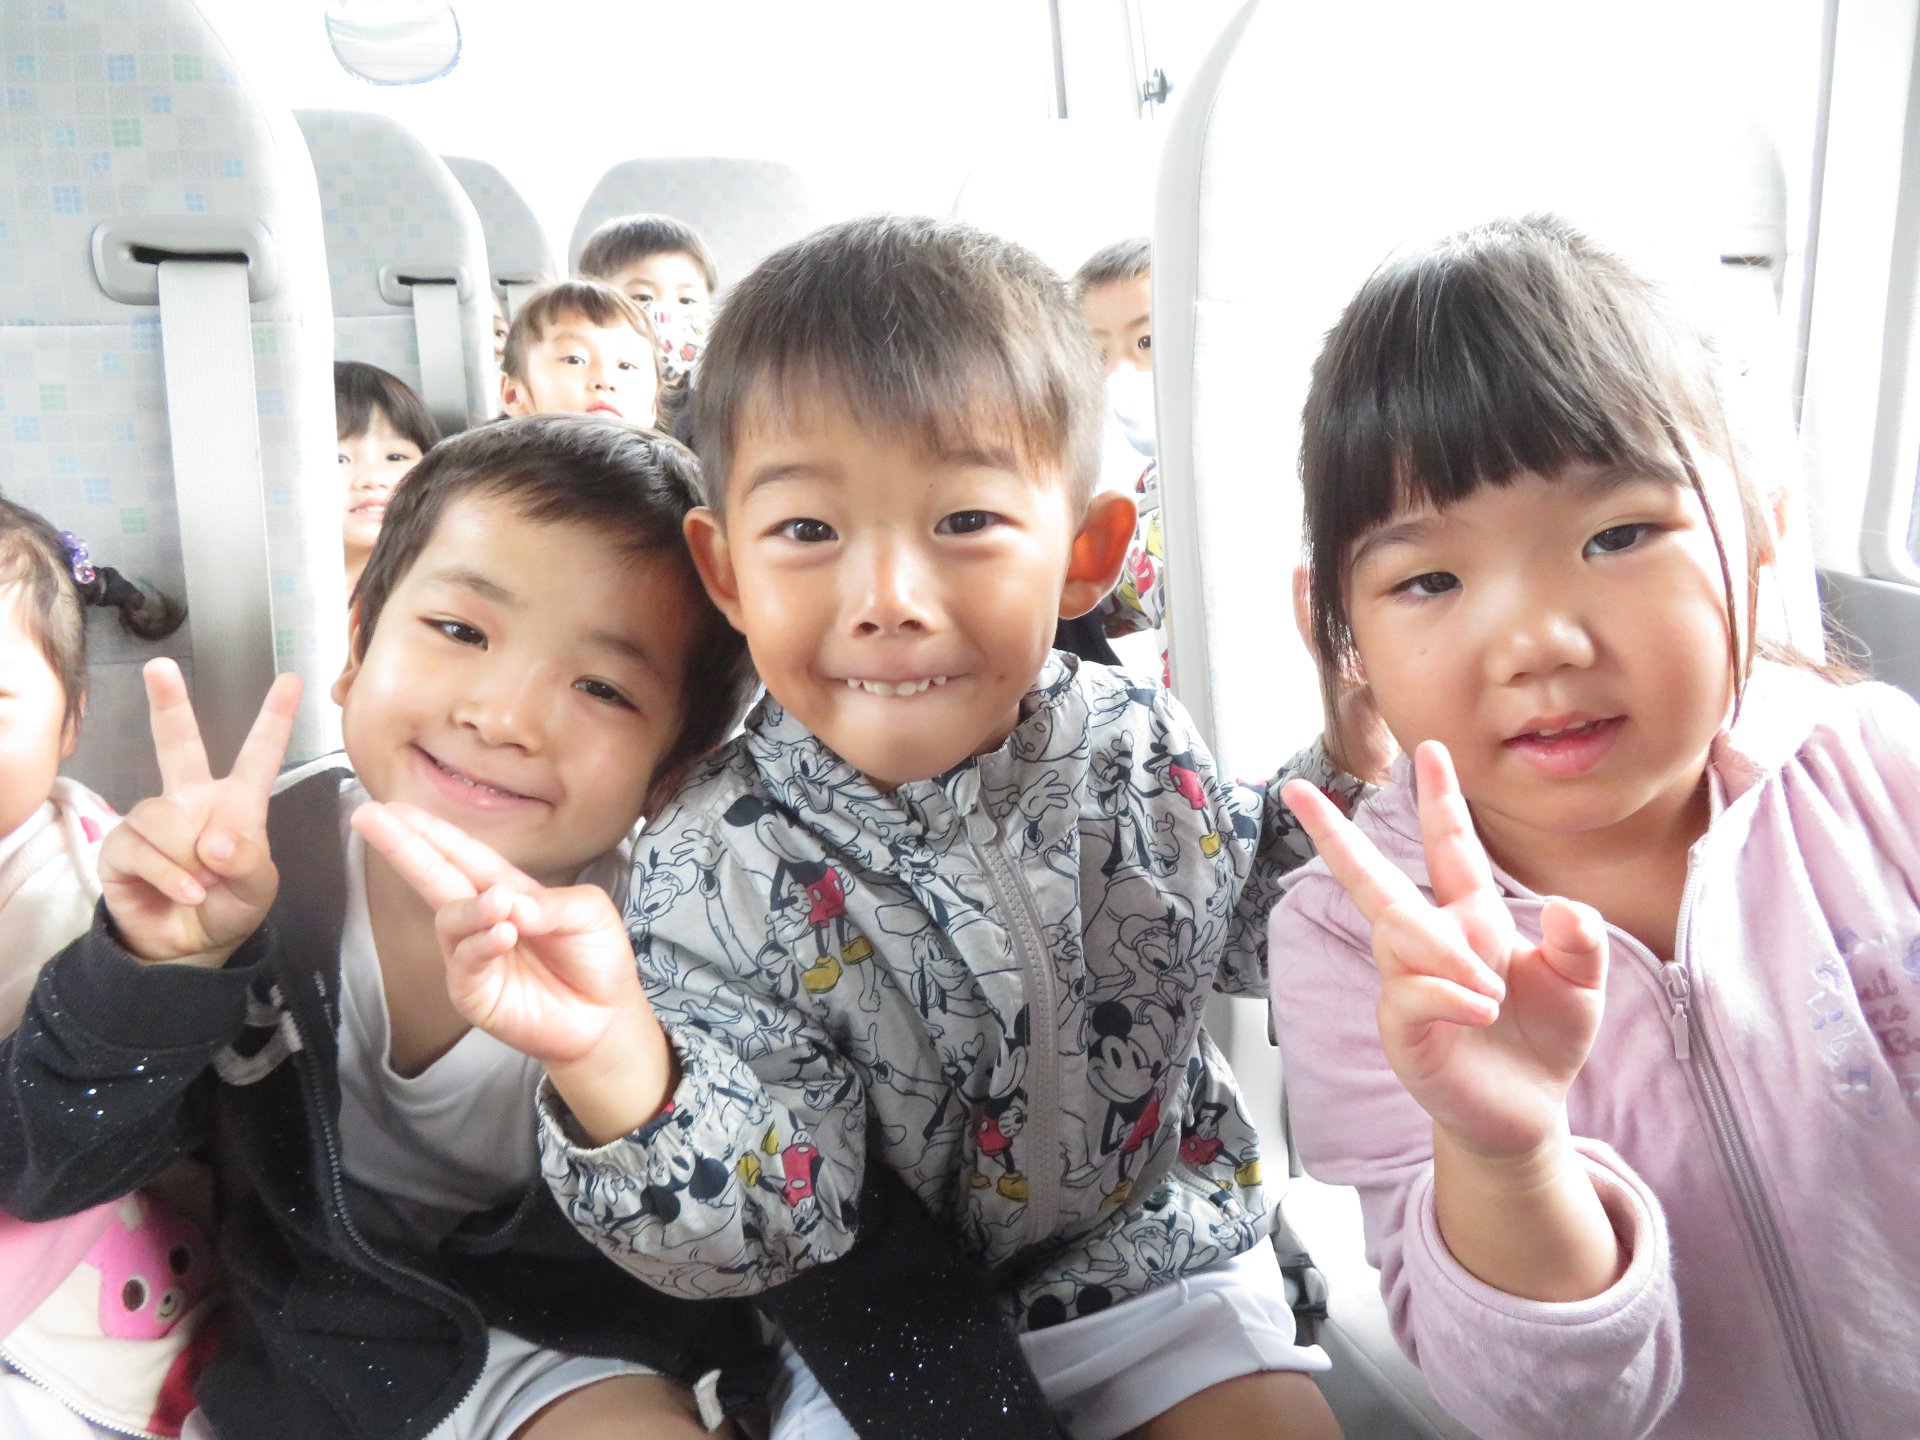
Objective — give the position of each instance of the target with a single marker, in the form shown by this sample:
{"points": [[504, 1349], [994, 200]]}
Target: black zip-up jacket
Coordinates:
{"points": [[118, 1068]]}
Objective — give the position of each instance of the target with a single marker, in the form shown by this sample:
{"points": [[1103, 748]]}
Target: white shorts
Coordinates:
{"points": [[519, 1381], [1111, 1372]]}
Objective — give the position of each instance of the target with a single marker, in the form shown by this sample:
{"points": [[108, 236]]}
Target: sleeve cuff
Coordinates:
{"points": [[126, 1003], [1638, 1222]]}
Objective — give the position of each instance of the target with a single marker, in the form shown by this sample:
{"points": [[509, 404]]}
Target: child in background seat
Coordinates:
{"points": [[68, 1320], [580, 347], [665, 268], [531, 655], [383, 430], [1604, 1003], [953, 904]]}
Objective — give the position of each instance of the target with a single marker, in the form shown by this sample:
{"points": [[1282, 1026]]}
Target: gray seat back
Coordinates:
{"points": [[743, 209]]}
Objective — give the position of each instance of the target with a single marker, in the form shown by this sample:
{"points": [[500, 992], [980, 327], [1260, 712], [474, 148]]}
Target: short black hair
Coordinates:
{"points": [[592, 300], [1122, 260], [623, 482], [360, 390], [925, 328], [619, 242]]}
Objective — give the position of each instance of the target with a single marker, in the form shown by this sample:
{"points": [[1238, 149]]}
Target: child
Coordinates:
{"points": [[1668, 1189], [384, 430], [665, 268], [1114, 288], [583, 348], [531, 656], [952, 905], [64, 1317]]}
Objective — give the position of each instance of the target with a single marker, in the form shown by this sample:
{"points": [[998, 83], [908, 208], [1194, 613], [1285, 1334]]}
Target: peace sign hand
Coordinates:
{"points": [[547, 970], [1485, 1029], [187, 876]]}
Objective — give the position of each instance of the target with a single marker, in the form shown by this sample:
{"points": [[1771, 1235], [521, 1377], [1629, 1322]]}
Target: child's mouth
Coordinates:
{"points": [[479, 787], [897, 687], [1564, 751]]}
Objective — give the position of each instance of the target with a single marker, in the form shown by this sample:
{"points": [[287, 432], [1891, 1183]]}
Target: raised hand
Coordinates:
{"points": [[547, 970], [1485, 1029], [187, 876]]}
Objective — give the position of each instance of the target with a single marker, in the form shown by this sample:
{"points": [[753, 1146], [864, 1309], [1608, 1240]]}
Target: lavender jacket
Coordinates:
{"points": [[1750, 1112]]}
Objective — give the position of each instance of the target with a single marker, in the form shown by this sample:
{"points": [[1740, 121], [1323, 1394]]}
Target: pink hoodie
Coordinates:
{"points": [[1752, 1110]]}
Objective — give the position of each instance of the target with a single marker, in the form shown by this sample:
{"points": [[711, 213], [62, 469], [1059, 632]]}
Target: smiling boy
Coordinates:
{"points": [[945, 878], [531, 658]]}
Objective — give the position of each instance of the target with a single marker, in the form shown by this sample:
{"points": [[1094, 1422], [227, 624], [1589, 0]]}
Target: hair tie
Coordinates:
{"points": [[78, 561]]}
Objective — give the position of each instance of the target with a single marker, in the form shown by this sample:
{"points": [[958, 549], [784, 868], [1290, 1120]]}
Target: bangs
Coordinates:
{"points": [[1472, 367], [951, 340]]}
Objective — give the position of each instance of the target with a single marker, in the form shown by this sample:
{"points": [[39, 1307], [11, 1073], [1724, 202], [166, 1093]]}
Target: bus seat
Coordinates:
{"points": [[1065, 188], [743, 209], [132, 131], [408, 263], [1422, 120], [518, 254]]}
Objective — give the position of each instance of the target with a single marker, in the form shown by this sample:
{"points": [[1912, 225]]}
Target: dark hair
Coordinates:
{"points": [[596, 303], [59, 578], [361, 390], [926, 328], [619, 242], [630, 485], [1518, 346], [1122, 260]]}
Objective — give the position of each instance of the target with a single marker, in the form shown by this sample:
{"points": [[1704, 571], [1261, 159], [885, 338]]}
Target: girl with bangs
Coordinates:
{"points": [[1604, 1001]]}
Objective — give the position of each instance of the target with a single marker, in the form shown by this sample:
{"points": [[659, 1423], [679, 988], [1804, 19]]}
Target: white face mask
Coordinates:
{"points": [[1130, 395]]}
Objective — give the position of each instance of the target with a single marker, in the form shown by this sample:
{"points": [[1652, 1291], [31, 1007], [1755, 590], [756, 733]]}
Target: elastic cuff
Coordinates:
{"points": [[126, 1003]]}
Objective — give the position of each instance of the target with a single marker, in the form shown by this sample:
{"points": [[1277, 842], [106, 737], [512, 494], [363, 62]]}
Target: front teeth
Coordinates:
{"points": [[890, 688]]}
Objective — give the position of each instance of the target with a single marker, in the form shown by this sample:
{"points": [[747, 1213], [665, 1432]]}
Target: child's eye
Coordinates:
{"points": [[628, 365], [1434, 582], [459, 632], [807, 532], [689, 299], [1145, 342], [965, 522], [601, 690], [1618, 538], [402, 457], [344, 458], [573, 359]]}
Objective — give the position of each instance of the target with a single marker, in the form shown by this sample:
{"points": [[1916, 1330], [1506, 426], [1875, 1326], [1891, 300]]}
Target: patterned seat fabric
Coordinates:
{"points": [[517, 250], [118, 108], [387, 200], [743, 209]]}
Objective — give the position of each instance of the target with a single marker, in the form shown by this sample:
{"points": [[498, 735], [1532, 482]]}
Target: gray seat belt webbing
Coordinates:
{"points": [[517, 293], [206, 338], [443, 367]]}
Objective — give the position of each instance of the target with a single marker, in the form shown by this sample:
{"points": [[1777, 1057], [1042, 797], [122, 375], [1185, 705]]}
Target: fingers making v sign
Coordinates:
{"points": [[1486, 1029], [187, 875]]}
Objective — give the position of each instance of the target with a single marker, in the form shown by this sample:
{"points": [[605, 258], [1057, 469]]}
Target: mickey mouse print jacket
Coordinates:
{"points": [[991, 982]]}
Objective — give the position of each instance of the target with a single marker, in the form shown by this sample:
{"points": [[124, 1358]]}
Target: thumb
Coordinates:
{"points": [[1573, 941]]}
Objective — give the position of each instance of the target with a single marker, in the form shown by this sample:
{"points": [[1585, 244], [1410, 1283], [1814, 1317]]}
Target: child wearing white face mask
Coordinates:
{"points": [[1114, 288]]}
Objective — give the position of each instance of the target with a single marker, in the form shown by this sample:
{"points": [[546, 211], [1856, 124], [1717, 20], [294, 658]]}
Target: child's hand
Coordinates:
{"points": [[1486, 1030], [187, 876], [549, 971]]}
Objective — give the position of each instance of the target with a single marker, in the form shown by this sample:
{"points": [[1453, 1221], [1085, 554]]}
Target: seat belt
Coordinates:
{"points": [[213, 425], [443, 366], [517, 292]]}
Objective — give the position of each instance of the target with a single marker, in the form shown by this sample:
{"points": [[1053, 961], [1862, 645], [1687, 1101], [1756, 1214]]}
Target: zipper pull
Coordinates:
{"points": [[1674, 977]]}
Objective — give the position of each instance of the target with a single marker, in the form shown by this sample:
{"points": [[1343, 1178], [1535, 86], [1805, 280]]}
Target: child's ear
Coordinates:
{"points": [[1099, 550], [513, 396], [706, 536], [70, 732], [1303, 605], [351, 670]]}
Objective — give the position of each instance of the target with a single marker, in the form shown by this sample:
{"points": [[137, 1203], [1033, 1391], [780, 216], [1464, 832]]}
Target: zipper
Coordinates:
{"points": [[1012, 900], [91, 1417], [1675, 980], [310, 1082]]}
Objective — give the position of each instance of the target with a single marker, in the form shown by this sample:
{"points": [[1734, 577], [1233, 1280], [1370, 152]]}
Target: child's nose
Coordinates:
{"points": [[895, 594], [502, 707], [1536, 633]]}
